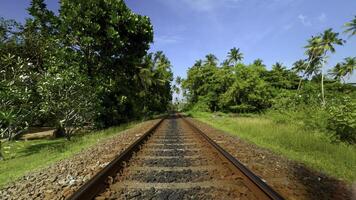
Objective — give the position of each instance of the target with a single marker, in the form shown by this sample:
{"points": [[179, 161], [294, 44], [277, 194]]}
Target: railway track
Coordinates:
{"points": [[175, 160]]}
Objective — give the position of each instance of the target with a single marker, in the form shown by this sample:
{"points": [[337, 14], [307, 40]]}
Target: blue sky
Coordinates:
{"points": [[272, 30]]}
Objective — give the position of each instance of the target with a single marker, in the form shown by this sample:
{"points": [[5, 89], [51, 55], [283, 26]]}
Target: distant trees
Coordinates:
{"points": [[237, 87], [281, 77], [155, 81]]}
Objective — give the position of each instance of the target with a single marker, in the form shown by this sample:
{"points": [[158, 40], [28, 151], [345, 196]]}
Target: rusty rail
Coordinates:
{"points": [[99, 182], [255, 183]]}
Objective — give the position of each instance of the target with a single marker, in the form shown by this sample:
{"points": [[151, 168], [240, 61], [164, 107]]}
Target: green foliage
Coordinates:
{"points": [[87, 66], [238, 88], [234, 56], [242, 88], [344, 69], [106, 34], [17, 106], [342, 120], [248, 93], [317, 49], [351, 27], [202, 105], [154, 79], [68, 98]]}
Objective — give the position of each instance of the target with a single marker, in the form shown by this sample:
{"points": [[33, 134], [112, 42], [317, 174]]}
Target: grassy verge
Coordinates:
{"points": [[24, 156], [291, 140]]}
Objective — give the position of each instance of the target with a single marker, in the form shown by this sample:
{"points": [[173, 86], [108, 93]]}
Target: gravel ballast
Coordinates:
{"points": [[61, 179], [291, 179]]}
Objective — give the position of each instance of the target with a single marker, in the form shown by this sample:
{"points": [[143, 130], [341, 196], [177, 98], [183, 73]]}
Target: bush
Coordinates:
{"points": [[202, 105], [342, 120]]}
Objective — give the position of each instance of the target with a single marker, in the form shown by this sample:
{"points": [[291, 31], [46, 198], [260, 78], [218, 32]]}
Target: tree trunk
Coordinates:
{"points": [[322, 82], [300, 83], [59, 132], [322, 89], [10, 133], [1, 156], [68, 136], [67, 133], [301, 79]]}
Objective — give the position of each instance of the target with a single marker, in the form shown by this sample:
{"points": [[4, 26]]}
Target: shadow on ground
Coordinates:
{"points": [[320, 186], [50, 145]]}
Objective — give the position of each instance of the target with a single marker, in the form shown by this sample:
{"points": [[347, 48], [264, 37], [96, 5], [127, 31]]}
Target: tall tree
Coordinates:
{"points": [[109, 40], [106, 34], [211, 60], [299, 67], [317, 51], [344, 69], [280, 77], [258, 62], [234, 56], [39, 34], [351, 27]]}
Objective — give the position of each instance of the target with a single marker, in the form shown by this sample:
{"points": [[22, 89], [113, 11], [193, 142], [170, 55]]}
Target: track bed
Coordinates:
{"points": [[177, 162]]}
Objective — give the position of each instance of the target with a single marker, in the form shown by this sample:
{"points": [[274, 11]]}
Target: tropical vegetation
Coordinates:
{"points": [[86, 67], [306, 92]]}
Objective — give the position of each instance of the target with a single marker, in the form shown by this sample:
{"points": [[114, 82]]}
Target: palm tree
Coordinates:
{"points": [[278, 66], [211, 60], [300, 67], [258, 62], [234, 56], [198, 63], [179, 80], [317, 50], [225, 63], [329, 39], [349, 66], [351, 27], [344, 69]]}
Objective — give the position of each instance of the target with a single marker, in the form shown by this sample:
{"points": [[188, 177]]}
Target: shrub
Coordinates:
{"points": [[342, 120], [202, 105]]}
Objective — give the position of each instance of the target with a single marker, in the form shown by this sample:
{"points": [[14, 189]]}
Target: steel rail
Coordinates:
{"points": [[99, 182], [255, 183]]}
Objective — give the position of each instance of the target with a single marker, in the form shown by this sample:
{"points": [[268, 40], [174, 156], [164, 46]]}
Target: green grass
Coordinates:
{"points": [[24, 156], [314, 149]]}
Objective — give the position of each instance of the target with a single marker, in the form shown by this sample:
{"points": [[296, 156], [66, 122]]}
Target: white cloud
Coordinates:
{"points": [[287, 27], [304, 20], [167, 39], [203, 5], [322, 17]]}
